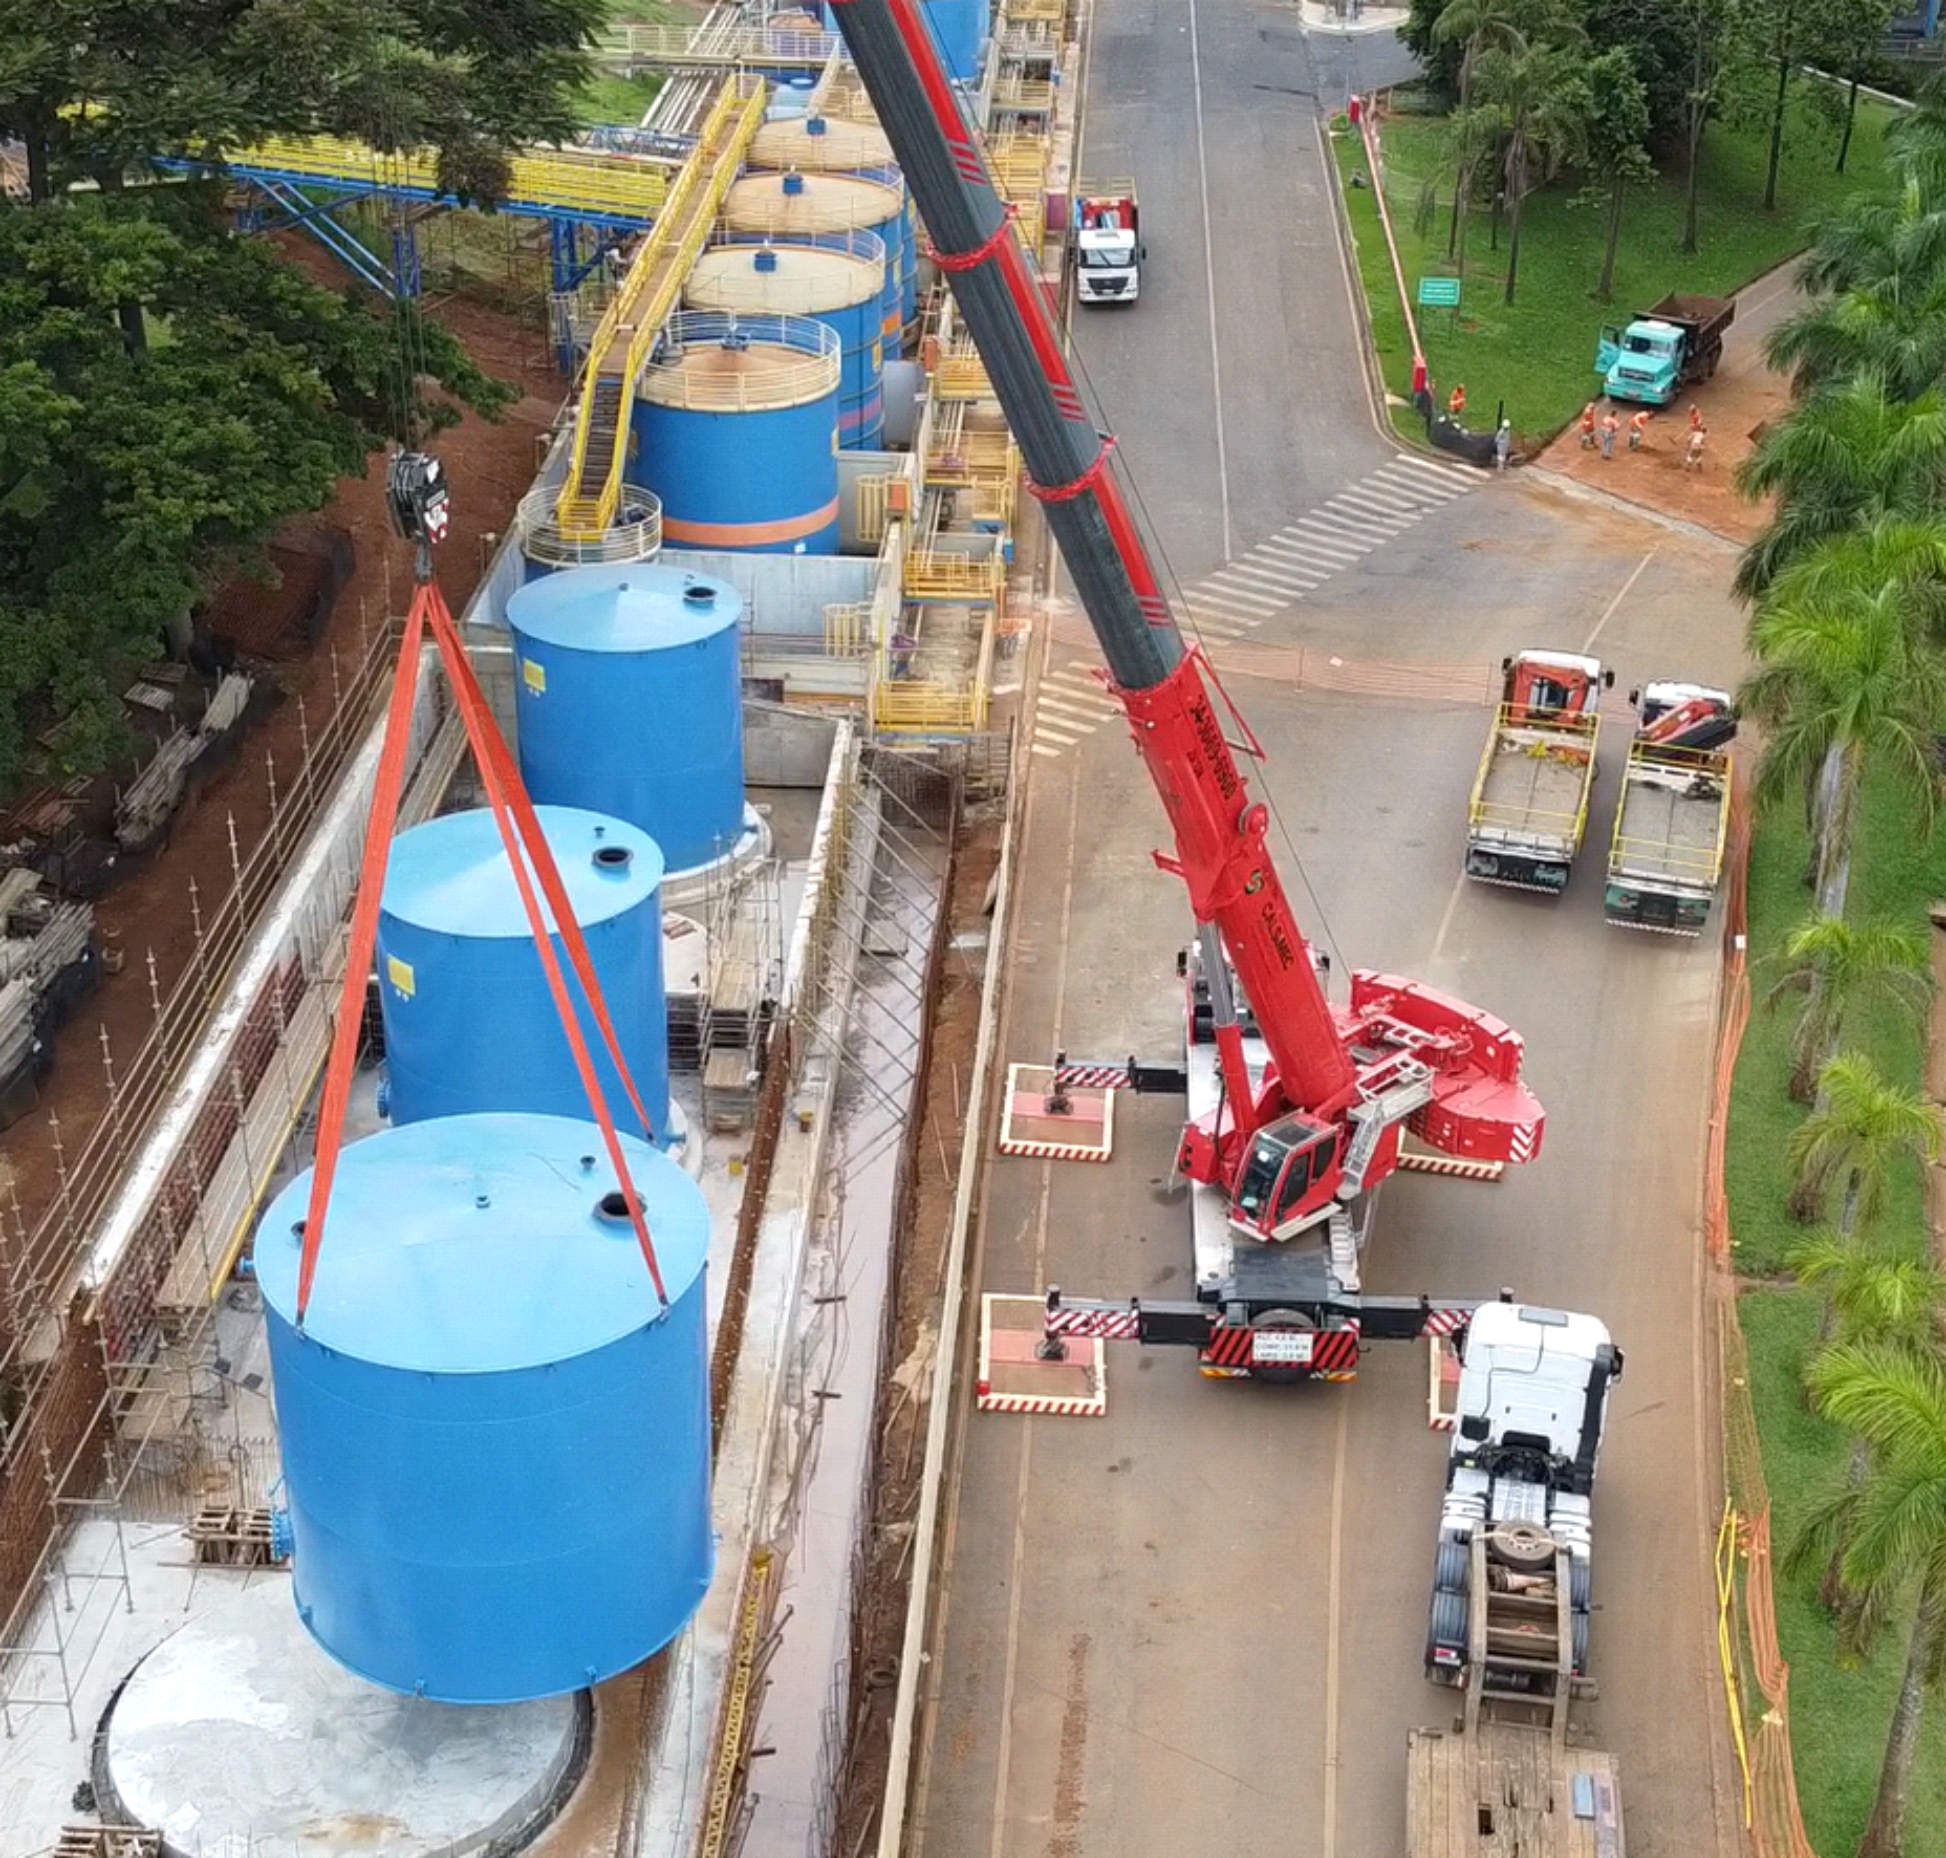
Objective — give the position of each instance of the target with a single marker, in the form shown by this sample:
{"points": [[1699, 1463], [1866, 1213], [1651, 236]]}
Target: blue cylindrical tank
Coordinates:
{"points": [[634, 535], [469, 1021], [959, 29], [496, 1446], [628, 702], [789, 205], [735, 429], [836, 277]]}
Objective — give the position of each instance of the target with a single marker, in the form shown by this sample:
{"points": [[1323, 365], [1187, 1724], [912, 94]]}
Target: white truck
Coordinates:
{"points": [[1674, 818], [1108, 249], [1529, 805], [1509, 1621]]}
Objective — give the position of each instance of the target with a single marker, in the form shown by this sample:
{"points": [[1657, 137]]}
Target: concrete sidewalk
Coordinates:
{"points": [[1349, 16]]}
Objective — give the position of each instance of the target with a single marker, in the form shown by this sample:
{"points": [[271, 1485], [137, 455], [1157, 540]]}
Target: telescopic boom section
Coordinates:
{"points": [[1219, 834], [1321, 1063]]}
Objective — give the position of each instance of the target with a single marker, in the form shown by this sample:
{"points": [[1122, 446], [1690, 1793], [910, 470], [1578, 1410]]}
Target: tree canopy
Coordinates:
{"points": [[131, 478]]}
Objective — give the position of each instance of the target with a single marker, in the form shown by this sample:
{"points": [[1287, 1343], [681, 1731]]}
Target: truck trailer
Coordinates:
{"points": [[1509, 1622], [1674, 817], [1529, 806], [1664, 350]]}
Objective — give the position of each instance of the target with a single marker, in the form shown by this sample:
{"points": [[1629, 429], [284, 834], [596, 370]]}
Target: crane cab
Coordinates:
{"points": [[1288, 1179], [1544, 686]]}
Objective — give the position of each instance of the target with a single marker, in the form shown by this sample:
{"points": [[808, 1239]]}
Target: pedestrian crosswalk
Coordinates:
{"points": [[1269, 579]]}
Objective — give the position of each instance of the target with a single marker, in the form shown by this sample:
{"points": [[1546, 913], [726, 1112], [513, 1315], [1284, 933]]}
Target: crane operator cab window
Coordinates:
{"points": [[1289, 1165]]}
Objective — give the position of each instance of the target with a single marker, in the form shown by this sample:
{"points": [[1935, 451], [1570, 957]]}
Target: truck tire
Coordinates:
{"points": [[1581, 1580], [1582, 1622], [1451, 1567], [1524, 1546], [1446, 1631]]}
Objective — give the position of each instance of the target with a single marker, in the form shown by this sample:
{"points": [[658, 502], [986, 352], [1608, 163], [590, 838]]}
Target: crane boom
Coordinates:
{"points": [[1327, 1066]]}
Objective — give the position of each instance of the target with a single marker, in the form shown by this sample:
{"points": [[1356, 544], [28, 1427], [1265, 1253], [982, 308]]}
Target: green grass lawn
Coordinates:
{"points": [[1538, 354], [612, 98], [1838, 1717]]}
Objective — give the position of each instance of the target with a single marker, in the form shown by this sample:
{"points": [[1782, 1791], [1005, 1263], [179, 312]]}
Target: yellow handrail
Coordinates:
{"points": [[626, 335]]}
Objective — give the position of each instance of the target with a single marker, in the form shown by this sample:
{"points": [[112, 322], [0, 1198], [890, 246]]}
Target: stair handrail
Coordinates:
{"points": [[648, 293]]}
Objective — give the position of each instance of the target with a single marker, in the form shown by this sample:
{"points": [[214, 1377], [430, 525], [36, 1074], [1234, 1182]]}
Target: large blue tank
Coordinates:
{"points": [[836, 277], [628, 701], [959, 29], [736, 431], [790, 205], [496, 1446], [469, 1021]]}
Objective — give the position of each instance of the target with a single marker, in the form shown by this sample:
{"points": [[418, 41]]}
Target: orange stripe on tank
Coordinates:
{"points": [[747, 535]]}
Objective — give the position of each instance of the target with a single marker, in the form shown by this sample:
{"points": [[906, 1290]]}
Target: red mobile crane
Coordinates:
{"points": [[1298, 1140]]}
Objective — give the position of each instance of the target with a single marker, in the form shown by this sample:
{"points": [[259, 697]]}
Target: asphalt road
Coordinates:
{"points": [[1196, 1624]]}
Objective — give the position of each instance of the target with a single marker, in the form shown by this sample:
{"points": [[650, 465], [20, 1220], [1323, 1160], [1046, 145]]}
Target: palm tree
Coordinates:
{"points": [[1894, 331], [1846, 679], [1873, 243], [1474, 25], [1546, 105], [1863, 1127], [1915, 141], [1839, 966], [1890, 1536], [1844, 458]]}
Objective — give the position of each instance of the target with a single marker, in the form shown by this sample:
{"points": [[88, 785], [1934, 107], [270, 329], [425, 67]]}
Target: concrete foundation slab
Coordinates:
{"points": [[237, 1734], [1013, 1379], [1078, 1125]]}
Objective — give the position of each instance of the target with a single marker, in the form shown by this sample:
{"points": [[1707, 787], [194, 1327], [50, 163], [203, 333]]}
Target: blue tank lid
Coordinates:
{"points": [[484, 1244], [450, 875], [631, 607]]}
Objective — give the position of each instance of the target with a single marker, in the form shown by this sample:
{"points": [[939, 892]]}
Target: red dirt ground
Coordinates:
{"points": [[1736, 407], [489, 468]]}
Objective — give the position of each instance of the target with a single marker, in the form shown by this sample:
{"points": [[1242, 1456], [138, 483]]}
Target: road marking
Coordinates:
{"points": [[1334, 1613], [1209, 277], [1232, 586], [1609, 612], [1446, 920]]}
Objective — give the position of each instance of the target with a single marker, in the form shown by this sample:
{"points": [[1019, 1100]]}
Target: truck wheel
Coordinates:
{"points": [[1580, 1644], [1581, 1580], [1521, 1545], [1281, 1322], [1451, 1566], [1446, 1631]]}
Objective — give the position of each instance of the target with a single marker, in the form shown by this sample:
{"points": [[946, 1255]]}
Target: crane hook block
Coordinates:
{"points": [[416, 494]]}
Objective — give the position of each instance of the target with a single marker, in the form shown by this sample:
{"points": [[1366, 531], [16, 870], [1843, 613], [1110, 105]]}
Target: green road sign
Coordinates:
{"points": [[1439, 293]]}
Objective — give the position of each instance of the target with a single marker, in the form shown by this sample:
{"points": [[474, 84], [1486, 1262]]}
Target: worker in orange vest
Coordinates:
{"points": [[1588, 426], [1609, 425], [1638, 426], [1456, 403], [1695, 417]]}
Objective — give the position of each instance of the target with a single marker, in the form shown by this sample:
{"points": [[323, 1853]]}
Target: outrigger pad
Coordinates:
{"points": [[1015, 1379], [1074, 1123]]}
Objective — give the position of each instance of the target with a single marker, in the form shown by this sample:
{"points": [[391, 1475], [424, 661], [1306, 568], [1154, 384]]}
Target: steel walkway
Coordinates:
{"points": [[626, 335], [582, 188]]}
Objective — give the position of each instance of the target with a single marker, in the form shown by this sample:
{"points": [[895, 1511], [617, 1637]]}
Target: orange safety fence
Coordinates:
{"points": [[1756, 1678]]}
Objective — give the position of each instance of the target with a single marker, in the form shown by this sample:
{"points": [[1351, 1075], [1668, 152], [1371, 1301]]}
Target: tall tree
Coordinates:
{"points": [[1847, 458], [1613, 138], [1840, 968], [1703, 28], [1891, 1537], [1856, 31], [1845, 680], [1864, 1127], [129, 480], [1544, 107], [1783, 35], [92, 88]]}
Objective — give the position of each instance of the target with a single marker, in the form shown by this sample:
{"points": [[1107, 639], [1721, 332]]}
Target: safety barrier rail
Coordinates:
{"points": [[634, 535], [592, 185], [778, 383], [1671, 769], [626, 335], [1755, 1675], [716, 45], [944, 574], [927, 709], [960, 374]]}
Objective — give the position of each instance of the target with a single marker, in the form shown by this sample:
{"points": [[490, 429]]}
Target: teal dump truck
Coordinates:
{"points": [[1664, 350]]}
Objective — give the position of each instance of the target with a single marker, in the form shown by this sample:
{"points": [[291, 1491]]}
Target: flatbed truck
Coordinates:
{"points": [[1108, 247], [1511, 1604], [1673, 821], [1529, 806]]}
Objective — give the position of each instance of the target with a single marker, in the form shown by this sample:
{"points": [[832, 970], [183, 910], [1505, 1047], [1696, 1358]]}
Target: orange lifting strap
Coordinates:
{"points": [[520, 833]]}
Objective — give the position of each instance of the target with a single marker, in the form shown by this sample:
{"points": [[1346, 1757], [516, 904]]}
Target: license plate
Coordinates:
{"points": [[1284, 1347]]}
